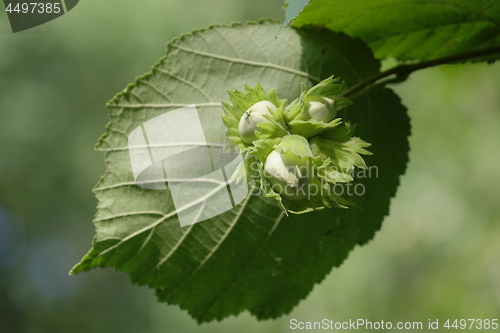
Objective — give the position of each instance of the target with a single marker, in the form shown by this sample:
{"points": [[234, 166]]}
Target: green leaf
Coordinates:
{"points": [[251, 257], [410, 29], [292, 9], [381, 120]]}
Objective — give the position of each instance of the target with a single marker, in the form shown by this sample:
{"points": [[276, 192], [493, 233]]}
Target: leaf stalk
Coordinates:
{"points": [[402, 71]]}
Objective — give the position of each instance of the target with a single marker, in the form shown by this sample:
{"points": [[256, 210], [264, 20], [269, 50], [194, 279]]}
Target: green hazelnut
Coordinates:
{"points": [[253, 116], [320, 108], [289, 175]]}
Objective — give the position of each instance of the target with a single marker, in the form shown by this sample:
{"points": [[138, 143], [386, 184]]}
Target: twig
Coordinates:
{"points": [[402, 71]]}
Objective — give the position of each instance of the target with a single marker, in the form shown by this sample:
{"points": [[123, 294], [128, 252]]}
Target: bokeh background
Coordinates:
{"points": [[436, 257]]}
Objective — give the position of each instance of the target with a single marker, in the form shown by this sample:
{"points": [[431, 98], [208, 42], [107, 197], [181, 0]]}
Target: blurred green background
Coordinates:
{"points": [[437, 256]]}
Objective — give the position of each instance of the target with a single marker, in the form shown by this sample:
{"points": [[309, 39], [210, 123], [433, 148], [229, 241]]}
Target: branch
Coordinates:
{"points": [[402, 71]]}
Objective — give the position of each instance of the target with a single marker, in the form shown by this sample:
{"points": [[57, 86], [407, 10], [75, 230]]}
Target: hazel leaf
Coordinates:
{"points": [[252, 257]]}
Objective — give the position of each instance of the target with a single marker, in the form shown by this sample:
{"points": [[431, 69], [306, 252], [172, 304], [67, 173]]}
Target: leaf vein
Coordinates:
{"points": [[185, 82], [165, 217], [249, 62]]}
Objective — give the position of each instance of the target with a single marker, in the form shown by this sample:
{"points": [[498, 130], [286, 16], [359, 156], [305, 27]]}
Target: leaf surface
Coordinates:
{"points": [[251, 257], [409, 29]]}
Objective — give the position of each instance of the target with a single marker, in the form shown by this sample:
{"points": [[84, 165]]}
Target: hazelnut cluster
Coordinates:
{"points": [[297, 152]]}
